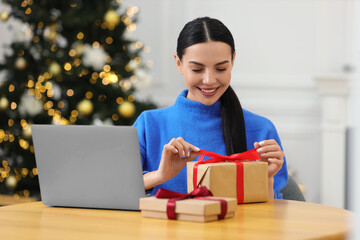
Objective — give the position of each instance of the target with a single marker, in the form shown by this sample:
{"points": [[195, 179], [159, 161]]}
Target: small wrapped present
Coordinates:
{"points": [[197, 206], [230, 176]]}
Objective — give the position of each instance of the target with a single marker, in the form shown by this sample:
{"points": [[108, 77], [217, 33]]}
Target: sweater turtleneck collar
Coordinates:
{"points": [[193, 106]]}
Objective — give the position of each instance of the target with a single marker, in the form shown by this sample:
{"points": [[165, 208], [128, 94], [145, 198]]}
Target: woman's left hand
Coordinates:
{"points": [[270, 151]]}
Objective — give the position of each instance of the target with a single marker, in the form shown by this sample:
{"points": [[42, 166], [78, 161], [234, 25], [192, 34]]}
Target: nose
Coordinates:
{"points": [[209, 77]]}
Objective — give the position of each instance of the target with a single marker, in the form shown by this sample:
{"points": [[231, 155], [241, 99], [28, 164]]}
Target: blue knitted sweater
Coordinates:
{"points": [[199, 125]]}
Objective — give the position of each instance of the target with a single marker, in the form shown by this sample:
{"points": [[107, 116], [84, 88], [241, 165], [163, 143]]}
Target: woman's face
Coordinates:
{"points": [[207, 70]]}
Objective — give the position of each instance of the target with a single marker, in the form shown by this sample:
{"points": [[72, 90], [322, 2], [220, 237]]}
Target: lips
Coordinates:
{"points": [[208, 91]]}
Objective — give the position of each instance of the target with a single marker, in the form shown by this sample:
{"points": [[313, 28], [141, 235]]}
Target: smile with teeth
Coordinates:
{"points": [[208, 90]]}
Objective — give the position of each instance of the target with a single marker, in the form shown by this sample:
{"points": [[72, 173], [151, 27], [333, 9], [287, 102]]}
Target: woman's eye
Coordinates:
{"points": [[197, 70], [221, 69]]}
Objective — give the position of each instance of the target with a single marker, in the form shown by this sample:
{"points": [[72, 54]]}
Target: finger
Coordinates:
{"points": [[174, 142], [192, 156], [170, 148], [267, 142], [277, 154], [274, 166], [256, 145], [185, 146], [269, 148]]}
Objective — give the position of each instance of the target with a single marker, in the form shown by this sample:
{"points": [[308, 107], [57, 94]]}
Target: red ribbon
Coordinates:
{"points": [[237, 158], [199, 193]]}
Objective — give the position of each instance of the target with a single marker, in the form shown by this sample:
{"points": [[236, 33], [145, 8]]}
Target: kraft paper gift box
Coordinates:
{"points": [[248, 183], [195, 210]]}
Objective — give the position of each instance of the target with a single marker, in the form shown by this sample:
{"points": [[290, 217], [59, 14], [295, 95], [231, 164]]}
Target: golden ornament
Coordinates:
{"points": [[4, 103], [11, 182], [4, 16], [55, 68], [20, 63], [127, 109], [112, 18], [85, 107]]}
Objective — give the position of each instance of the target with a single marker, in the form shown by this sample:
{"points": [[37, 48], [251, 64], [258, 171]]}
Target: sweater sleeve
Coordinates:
{"points": [[281, 177], [140, 125]]}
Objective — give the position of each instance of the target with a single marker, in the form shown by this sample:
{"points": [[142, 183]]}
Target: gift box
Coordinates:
{"points": [[225, 176], [201, 209]]}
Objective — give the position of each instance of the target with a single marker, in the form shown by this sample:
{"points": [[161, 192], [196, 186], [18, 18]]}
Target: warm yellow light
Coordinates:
{"points": [[13, 105], [105, 81], [127, 68], [109, 40], [107, 68], [26, 193], [24, 144], [92, 80], [72, 119], [119, 100], [53, 48], [70, 92], [113, 78], [48, 85], [67, 66], [28, 11], [38, 95], [131, 27], [10, 122], [2, 133], [102, 74], [77, 62], [5, 163], [40, 25], [137, 60], [50, 93], [61, 104], [88, 95], [51, 112], [115, 117], [30, 84], [41, 78], [131, 98], [74, 113], [95, 75], [36, 39], [133, 78], [11, 88], [138, 44], [96, 44], [80, 35], [24, 172], [72, 53]]}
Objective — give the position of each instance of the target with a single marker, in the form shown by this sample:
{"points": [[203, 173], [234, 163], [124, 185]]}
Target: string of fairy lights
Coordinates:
{"points": [[42, 86]]}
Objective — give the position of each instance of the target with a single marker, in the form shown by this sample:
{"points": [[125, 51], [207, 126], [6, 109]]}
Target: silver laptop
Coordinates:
{"points": [[89, 166]]}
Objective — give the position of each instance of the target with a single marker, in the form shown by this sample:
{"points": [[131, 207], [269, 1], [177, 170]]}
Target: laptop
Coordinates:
{"points": [[89, 166]]}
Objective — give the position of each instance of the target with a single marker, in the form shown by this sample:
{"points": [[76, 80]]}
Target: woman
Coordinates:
{"points": [[206, 115]]}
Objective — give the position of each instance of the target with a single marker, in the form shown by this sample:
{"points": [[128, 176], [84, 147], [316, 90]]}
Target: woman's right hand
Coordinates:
{"points": [[174, 157]]}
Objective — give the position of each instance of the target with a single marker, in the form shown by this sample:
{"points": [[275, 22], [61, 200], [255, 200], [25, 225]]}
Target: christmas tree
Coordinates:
{"points": [[70, 64]]}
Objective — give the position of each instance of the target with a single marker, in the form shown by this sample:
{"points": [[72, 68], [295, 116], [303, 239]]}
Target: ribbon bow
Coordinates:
{"points": [[198, 193], [236, 158], [248, 155]]}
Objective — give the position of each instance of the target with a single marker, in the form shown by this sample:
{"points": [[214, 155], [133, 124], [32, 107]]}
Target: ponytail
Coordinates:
{"points": [[232, 122]]}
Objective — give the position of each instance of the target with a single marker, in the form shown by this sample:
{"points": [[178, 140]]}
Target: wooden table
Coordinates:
{"points": [[281, 219]]}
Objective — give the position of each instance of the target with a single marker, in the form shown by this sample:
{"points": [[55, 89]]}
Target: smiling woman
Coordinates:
{"points": [[206, 115], [207, 70]]}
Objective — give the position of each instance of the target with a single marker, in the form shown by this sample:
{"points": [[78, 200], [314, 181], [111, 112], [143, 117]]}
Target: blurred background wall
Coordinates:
{"points": [[297, 64]]}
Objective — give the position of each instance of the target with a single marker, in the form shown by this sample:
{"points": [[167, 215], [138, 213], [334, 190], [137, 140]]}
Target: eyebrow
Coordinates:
{"points": [[200, 64]]}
